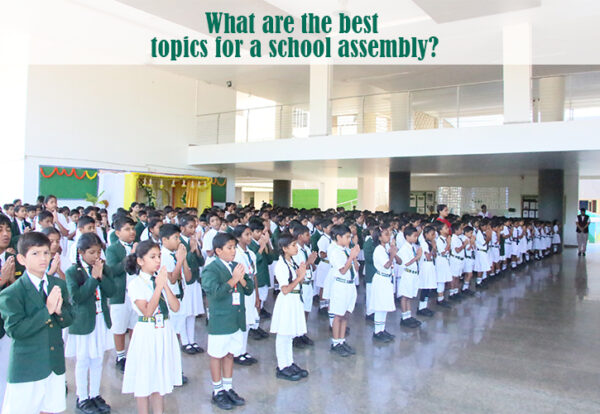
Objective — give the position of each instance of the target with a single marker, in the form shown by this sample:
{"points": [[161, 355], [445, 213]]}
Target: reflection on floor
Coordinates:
{"points": [[529, 344]]}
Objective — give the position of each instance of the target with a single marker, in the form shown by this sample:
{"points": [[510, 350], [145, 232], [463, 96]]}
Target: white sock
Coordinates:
{"points": [[227, 383], [95, 376], [466, 286], [406, 315], [283, 343], [120, 355], [217, 386], [422, 304], [331, 318], [379, 320], [479, 280], [81, 378]]}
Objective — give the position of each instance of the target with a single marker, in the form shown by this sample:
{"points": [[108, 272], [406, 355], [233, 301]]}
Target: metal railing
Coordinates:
{"points": [[458, 106]]}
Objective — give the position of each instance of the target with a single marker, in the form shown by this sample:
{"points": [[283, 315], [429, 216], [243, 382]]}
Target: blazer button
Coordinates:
{"points": [[52, 326], [52, 348]]}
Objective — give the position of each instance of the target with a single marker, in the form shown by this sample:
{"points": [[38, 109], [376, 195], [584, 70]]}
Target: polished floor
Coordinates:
{"points": [[529, 344]]}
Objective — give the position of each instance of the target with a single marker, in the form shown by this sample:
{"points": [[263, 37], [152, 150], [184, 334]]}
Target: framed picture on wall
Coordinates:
{"points": [[413, 200], [525, 213], [429, 196], [421, 210]]}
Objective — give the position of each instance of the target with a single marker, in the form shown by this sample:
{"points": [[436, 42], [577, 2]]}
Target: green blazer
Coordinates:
{"points": [[37, 346], [314, 244], [82, 289], [369, 249], [263, 261], [139, 229], [194, 261], [115, 260], [225, 318], [113, 238], [19, 268]]}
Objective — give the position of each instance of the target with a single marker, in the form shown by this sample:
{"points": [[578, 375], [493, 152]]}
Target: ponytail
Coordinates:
{"points": [[131, 264]]}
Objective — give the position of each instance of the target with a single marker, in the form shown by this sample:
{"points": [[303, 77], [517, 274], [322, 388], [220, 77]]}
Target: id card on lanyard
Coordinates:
{"points": [[236, 297], [159, 321], [98, 302]]}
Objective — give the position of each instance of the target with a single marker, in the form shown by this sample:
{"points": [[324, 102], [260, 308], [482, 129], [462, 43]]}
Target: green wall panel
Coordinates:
{"points": [[219, 192], [63, 182], [347, 198], [305, 198]]}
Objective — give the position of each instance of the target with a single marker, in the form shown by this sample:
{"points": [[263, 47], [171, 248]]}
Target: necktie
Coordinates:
{"points": [[415, 253], [42, 291], [351, 267], [162, 305], [250, 261], [231, 266]]}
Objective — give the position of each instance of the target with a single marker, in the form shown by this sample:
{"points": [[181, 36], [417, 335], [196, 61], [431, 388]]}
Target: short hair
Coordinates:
{"points": [[31, 208], [185, 219], [409, 231], [50, 230], [339, 230], [441, 207], [300, 229], [221, 239], [44, 214], [285, 239], [7, 206], [121, 221], [32, 239], [167, 230], [256, 225], [84, 221], [239, 230], [6, 221], [154, 222], [483, 206], [468, 229]]}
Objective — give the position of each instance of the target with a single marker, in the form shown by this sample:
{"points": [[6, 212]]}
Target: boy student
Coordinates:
{"points": [[410, 255], [85, 224], [344, 268], [35, 309], [302, 237], [20, 225], [44, 219], [141, 225], [226, 284], [469, 238], [264, 257], [31, 213], [121, 313], [214, 222], [323, 267]]}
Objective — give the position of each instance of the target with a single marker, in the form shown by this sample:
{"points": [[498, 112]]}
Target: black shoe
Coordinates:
{"points": [[381, 337], [370, 317], [468, 292], [235, 398], [254, 334], [481, 286], [101, 405], [264, 314], [389, 335], [184, 380], [287, 373], [415, 321], [222, 400], [443, 304], [250, 358], [242, 360], [348, 348], [454, 298], [300, 371], [340, 350], [307, 340], [188, 349], [197, 348], [324, 311], [425, 312], [409, 323], [298, 343], [86, 406], [578, 253], [262, 332], [121, 364]]}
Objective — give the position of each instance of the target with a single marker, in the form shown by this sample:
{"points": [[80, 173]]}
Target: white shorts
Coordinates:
{"points": [[5, 344], [409, 285], [46, 395], [469, 264], [221, 345], [263, 293], [307, 297], [122, 317], [342, 298]]}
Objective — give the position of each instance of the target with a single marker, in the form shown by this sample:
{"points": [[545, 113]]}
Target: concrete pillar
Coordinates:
{"points": [[230, 186], [516, 48], [328, 194], [399, 191], [366, 193], [282, 193], [283, 122], [551, 193], [400, 107], [320, 91], [14, 66], [552, 99], [569, 236]]}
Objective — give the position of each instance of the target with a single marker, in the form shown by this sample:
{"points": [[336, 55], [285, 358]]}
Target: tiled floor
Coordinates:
{"points": [[530, 344]]}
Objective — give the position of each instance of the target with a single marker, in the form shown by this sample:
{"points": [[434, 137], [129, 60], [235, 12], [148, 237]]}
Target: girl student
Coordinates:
{"points": [[288, 319], [457, 259], [442, 263], [427, 279], [305, 255], [482, 239], [90, 284], [385, 256], [469, 238], [154, 361], [55, 266], [247, 257]]}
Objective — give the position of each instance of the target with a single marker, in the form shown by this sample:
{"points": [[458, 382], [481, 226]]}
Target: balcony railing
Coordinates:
{"points": [[460, 106]]}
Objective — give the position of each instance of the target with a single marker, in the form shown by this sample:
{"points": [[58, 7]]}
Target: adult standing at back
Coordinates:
{"points": [[583, 228], [443, 212], [484, 212]]}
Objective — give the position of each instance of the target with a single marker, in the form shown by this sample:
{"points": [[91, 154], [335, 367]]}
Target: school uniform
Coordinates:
{"points": [[154, 359], [427, 277], [343, 289], [556, 237], [140, 226], [504, 245], [207, 245], [307, 283], [263, 260], [168, 260], [329, 278], [409, 282], [442, 263], [288, 314], [369, 249], [36, 373], [482, 263], [5, 343], [193, 298], [19, 268], [469, 257], [89, 335], [324, 264], [248, 259], [227, 309], [121, 314], [382, 290], [457, 259]]}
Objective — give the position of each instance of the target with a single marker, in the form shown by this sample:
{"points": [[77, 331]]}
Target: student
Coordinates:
{"points": [[427, 279], [482, 266], [324, 266], [192, 302], [55, 268], [343, 290], [89, 284], [35, 309], [264, 257], [410, 255], [288, 314], [305, 255], [154, 361], [382, 290], [207, 242], [20, 224], [369, 249], [442, 264], [457, 259], [174, 258], [44, 219], [86, 224], [141, 225], [121, 313], [31, 214], [247, 258], [468, 237], [555, 237], [225, 284]]}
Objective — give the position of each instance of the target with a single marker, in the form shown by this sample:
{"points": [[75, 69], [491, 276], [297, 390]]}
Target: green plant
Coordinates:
{"points": [[95, 199]]}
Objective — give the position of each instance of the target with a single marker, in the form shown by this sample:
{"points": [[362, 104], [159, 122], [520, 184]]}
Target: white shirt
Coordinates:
{"points": [[480, 242], [283, 269], [168, 261], [381, 255], [337, 259], [323, 243], [241, 256], [142, 288], [407, 253], [207, 241], [301, 257], [36, 282], [456, 243], [400, 240]]}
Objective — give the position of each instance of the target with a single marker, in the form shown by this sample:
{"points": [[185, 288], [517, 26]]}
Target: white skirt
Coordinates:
{"points": [[307, 296], [482, 263], [251, 312], [469, 264], [456, 266], [427, 278], [382, 294], [288, 315], [192, 303], [442, 270], [153, 361], [92, 345]]}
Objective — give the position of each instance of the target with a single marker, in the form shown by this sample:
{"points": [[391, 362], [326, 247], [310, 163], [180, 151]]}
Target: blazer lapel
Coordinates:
{"points": [[31, 290]]}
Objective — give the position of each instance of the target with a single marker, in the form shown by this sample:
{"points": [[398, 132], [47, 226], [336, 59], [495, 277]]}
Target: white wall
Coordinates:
{"points": [[131, 118], [589, 189]]}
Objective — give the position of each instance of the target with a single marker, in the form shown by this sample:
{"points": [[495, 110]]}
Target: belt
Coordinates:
{"points": [[425, 260], [296, 292], [383, 274], [149, 319], [305, 282], [414, 272], [325, 261], [457, 257], [482, 250], [341, 280]]}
